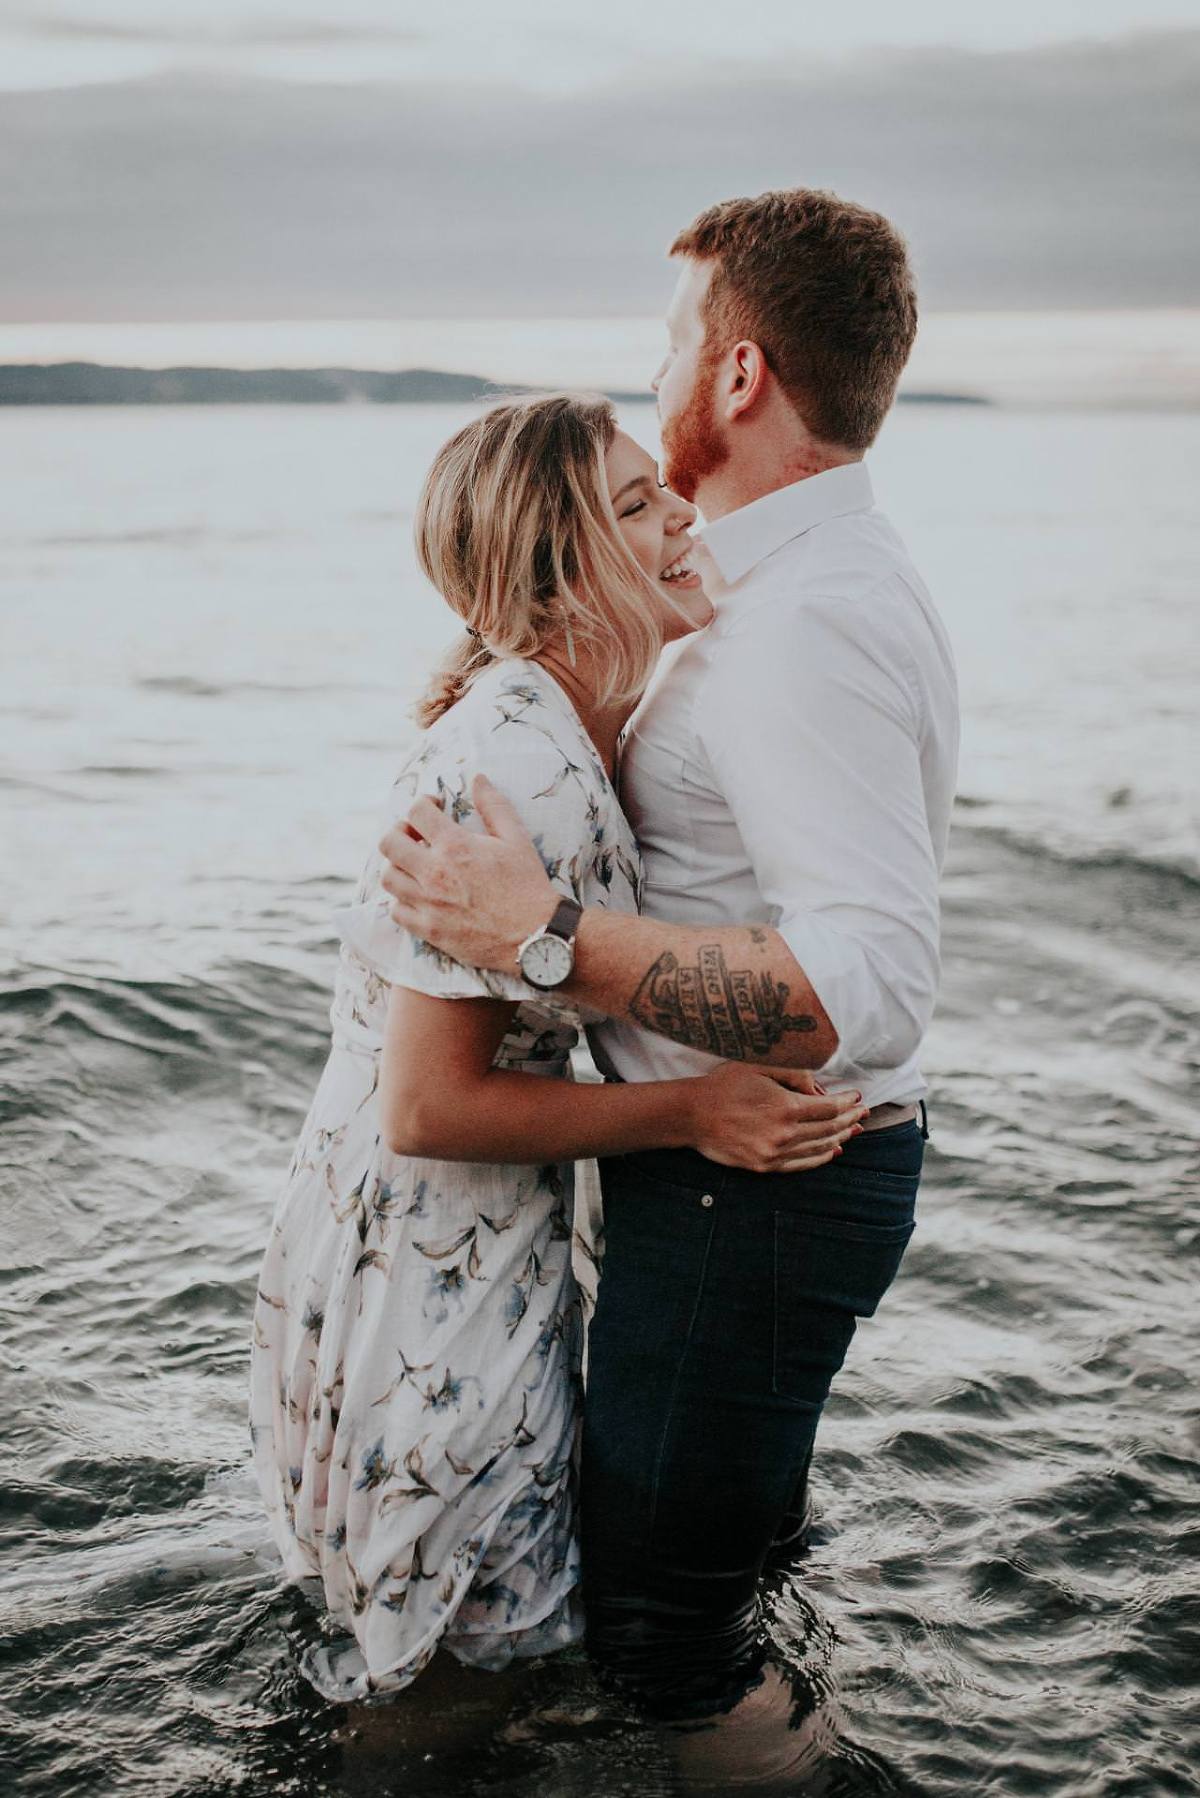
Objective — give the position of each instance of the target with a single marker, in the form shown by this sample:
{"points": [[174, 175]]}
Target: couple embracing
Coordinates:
{"points": [[739, 907]]}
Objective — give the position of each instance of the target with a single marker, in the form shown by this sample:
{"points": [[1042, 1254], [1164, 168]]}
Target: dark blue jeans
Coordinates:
{"points": [[727, 1304]]}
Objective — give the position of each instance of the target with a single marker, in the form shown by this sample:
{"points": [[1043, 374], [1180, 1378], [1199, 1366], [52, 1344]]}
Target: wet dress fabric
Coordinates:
{"points": [[414, 1392]]}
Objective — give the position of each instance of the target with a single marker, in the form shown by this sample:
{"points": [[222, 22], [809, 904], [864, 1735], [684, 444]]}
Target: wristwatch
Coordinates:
{"points": [[547, 957]]}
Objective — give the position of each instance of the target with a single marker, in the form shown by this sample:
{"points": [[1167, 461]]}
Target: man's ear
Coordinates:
{"points": [[747, 375]]}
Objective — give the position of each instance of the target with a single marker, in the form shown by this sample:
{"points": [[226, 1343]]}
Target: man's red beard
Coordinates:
{"points": [[693, 448]]}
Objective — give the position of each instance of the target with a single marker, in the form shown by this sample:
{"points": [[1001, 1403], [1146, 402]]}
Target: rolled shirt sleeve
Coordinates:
{"points": [[809, 721]]}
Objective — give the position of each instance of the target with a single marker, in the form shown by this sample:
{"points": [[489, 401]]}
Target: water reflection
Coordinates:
{"points": [[551, 1728]]}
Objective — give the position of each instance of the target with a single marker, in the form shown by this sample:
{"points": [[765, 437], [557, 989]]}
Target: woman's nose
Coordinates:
{"points": [[683, 514]]}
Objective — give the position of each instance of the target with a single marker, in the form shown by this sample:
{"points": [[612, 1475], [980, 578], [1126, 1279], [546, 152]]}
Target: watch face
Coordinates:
{"points": [[547, 961]]}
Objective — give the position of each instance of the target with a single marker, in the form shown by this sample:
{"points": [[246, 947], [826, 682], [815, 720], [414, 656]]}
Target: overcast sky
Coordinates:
{"points": [[220, 160], [547, 43]]}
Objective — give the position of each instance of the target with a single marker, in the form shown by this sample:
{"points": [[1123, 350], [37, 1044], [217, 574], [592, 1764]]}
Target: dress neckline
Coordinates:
{"points": [[568, 705]]}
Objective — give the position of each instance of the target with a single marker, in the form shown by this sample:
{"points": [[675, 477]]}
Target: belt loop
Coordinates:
{"points": [[924, 1120]]}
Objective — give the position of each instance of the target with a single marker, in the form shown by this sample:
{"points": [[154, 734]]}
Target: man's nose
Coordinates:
{"points": [[657, 376]]}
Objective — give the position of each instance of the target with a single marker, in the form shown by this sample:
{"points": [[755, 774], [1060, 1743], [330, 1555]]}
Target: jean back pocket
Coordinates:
{"points": [[829, 1272]]}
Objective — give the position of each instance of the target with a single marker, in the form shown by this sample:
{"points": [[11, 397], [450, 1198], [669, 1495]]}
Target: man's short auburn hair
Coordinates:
{"points": [[823, 287]]}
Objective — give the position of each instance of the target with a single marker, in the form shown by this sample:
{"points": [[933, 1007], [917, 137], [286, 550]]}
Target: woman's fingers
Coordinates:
{"points": [[828, 1105], [797, 1080], [811, 1130], [810, 1151], [820, 1113], [798, 1164], [814, 1112], [822, 1148], [810, 1110]]}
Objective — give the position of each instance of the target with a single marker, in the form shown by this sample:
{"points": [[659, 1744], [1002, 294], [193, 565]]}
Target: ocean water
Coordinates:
{"points": [[212, 632]]}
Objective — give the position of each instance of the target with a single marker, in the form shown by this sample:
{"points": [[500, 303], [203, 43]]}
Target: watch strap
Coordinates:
{"points": [[565, 921]]}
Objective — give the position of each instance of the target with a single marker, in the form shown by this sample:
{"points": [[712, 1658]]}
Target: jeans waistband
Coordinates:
{"points": [[897, 1150], [881, 1112], [889, 1114]]}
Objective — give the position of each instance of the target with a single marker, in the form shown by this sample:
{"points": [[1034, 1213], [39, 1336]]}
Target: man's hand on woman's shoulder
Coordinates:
{"points": [[475, 896]]}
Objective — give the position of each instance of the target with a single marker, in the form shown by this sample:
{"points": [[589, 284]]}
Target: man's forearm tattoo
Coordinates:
{"points": [[734, 1013]]}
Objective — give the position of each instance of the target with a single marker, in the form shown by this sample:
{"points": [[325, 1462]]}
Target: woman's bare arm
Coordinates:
{"points": [[441, 1098]]}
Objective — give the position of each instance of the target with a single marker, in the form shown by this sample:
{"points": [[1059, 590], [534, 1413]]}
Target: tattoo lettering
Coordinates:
{"points": [[734, 1013]]}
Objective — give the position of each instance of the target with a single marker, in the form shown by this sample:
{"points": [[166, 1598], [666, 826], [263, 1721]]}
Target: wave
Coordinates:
{"points": [[21, 783], [1181, 865], [125, 771], [91, 539], [171, 535], [244, 1006], [188, 686]]}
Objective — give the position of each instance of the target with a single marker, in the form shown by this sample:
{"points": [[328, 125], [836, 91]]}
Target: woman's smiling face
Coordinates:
{"points": [[655, 523]]}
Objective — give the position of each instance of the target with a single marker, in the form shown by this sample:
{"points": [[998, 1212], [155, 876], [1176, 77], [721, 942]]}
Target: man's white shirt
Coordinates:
{"points": [[793, 764]]}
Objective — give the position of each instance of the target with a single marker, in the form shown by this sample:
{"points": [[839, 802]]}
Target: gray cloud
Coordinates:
{"points": [[182, 33], [1065, 176]]}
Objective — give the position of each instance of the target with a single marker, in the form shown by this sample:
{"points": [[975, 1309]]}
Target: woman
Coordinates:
{"points": [[414, 1389]]}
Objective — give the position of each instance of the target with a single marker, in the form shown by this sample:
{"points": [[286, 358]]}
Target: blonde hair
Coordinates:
{"points": [[515, 529]]}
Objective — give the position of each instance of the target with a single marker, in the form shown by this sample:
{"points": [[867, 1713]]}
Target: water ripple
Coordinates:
{"points": [[1008, 1540]]}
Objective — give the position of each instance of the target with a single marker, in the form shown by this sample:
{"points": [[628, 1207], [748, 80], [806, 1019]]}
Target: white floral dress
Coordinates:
{"points": [[414, 1387]]}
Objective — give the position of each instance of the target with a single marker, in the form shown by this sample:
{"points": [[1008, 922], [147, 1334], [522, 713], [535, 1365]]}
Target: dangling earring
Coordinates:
{"points": [[570, 641]]}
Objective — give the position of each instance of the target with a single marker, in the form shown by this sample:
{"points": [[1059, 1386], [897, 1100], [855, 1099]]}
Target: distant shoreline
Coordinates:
{"points": [[98, 384]]}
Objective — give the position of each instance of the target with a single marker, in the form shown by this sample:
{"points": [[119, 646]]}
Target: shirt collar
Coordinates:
{"points": [[742, 539]]}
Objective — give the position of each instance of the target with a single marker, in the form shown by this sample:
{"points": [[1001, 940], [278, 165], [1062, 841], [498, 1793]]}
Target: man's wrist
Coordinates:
{"points": [[585, 939], [537, 917]]}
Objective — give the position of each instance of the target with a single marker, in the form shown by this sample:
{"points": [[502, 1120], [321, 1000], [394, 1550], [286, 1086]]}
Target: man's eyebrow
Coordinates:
{"points": [[639, 480]]}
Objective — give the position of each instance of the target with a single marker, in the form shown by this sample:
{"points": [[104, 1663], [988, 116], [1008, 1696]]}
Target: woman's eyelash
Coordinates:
{"points": [[640, 505]]}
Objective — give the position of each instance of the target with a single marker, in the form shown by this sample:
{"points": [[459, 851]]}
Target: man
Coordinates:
{"points": [[790, 778]]}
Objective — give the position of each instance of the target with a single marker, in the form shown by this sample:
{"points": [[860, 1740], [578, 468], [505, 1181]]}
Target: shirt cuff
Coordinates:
{"points": [[837, 969]]}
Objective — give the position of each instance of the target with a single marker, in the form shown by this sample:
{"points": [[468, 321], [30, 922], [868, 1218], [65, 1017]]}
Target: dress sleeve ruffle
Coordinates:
{"points": [[553, 793]]}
